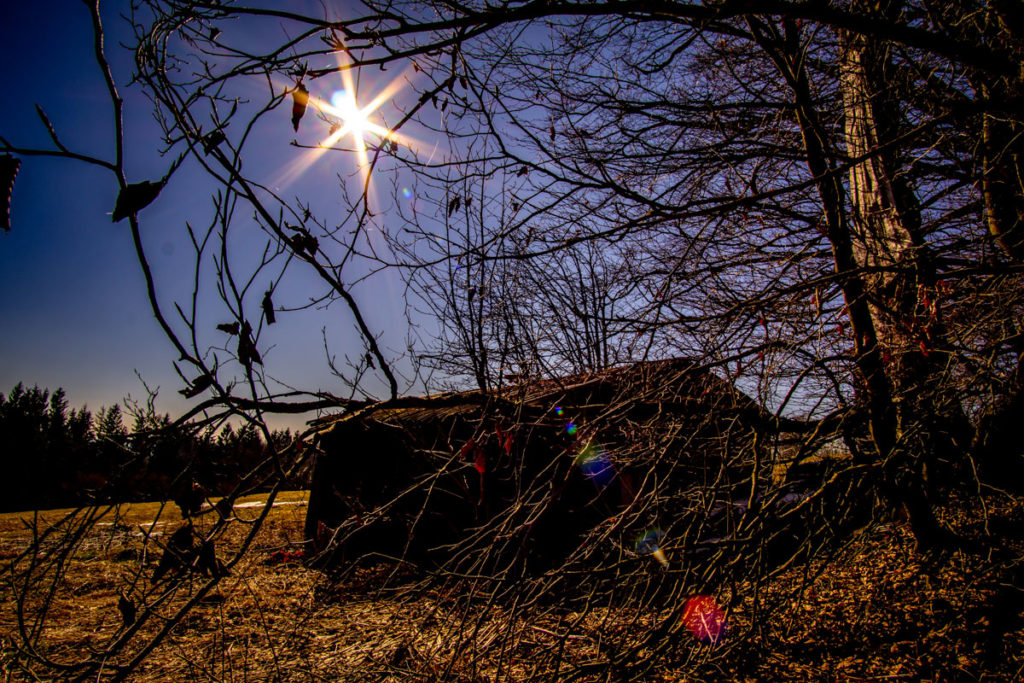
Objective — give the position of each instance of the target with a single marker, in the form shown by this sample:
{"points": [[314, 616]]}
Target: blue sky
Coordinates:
{"points": [[73, 304], [73, 307]]}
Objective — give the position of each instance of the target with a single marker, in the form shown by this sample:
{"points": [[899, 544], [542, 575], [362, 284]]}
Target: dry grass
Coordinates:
{"points": [[876, 610], [880, 610]]}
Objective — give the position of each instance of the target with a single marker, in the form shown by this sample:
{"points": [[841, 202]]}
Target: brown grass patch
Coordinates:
{"points": [[876, 610]]}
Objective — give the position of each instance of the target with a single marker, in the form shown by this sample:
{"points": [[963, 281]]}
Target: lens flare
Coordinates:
{"points": [[352, 117], [339, 99], [595, 464], [407, 193], [704, 618], [649, 543], [571, 428], [559, 411], [355, 120]]}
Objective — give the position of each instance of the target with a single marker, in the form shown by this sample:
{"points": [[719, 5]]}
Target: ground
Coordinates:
{"points": [[875, 610]]}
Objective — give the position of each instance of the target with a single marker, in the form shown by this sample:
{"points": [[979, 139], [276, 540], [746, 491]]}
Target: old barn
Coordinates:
{"points": [[535, 474]]}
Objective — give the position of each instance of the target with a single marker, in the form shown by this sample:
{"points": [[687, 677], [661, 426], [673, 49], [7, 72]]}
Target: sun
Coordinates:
{"points": [[345, 107], [356, 121], [360, 123]]}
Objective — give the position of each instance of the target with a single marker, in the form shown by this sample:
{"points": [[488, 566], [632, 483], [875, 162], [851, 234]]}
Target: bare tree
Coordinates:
{"points": [[818, 202]]}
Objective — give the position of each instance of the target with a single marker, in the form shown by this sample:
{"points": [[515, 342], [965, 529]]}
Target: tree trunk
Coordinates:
{"points": [[996, 447], [900, 285], [883, 269], [1002, 148]]}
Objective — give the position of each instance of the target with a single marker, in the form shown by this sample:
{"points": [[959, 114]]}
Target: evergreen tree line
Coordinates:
{"points": [[54, 456]]}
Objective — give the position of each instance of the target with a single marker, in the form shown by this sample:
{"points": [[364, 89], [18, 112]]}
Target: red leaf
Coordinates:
{"points": [[704, 618], [504, 438]]}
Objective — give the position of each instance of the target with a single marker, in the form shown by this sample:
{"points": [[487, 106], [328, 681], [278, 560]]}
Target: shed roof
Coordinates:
{"points": [[673, 385]]}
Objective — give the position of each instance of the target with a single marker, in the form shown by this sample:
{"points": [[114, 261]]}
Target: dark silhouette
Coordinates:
{"points": [[190, 499], [247, 353], [127, 609], [211, 140], [209, 564], [60, 457], [414, 482], [179, 553], [198, 386], [300, 97], [8, 172], [268, 307], [135, 197]]}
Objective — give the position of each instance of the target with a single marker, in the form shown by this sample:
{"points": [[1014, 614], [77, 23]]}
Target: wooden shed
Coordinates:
{"points": [[518, 479]]}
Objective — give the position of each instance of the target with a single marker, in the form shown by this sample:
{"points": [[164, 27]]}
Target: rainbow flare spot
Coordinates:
{"points": [[649, 543], [704, 618], [571, 428], [407, 193], [595, 464]]}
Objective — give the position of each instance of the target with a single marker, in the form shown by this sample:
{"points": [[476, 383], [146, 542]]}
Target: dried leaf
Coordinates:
{"points": [[247, 353], [8, 172], [454, 205], [135, 197], [268, 308], [211, 140], [198, 385], [300, 98]]}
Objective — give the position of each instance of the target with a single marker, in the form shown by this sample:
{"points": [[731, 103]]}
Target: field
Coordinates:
{"points": [[875, 610]]}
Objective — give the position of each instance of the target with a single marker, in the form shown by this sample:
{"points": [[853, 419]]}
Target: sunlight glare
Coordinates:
{"points": [[354, 122]]}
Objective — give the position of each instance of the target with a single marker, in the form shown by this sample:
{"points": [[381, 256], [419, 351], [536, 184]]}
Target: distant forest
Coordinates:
{"points": [[54, 456]]}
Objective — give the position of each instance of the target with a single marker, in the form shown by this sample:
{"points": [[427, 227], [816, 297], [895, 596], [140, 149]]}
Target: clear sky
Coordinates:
{"points": [[73, 308]]}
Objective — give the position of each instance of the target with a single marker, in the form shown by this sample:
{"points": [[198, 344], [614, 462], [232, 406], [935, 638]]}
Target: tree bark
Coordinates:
{"points": [[900, 284], [885, 273], [1002, 148]]}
